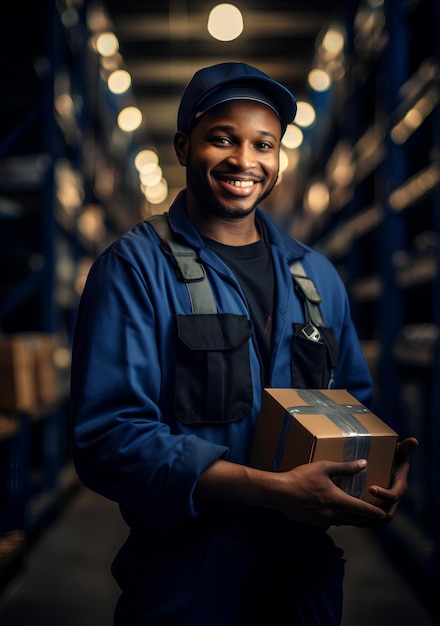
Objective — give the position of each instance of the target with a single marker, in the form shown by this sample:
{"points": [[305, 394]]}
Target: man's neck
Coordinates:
{"points": [[230, 231]]}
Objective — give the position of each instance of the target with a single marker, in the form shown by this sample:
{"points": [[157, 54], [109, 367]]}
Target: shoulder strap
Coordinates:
{"points": [[308, 291], [192, 272], [189, 269]]}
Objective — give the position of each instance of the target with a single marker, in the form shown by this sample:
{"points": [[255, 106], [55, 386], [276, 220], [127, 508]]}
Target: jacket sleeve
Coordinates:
{"points": [[122, 448]]}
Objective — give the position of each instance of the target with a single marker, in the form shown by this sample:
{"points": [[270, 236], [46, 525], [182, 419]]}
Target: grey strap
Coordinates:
{"points": [[308, 290], [190, 270]]}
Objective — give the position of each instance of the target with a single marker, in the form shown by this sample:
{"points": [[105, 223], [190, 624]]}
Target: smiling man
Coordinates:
{"points": [[231, 157], [183, 322]]}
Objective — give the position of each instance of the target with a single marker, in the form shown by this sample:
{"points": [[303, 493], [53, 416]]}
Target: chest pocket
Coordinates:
{"points": [[313, 359], [213, 376], [213, 383]]}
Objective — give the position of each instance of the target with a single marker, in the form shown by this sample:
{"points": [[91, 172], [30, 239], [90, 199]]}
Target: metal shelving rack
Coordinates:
{"points": [[38, 255], [385, 242], [55, 125]]}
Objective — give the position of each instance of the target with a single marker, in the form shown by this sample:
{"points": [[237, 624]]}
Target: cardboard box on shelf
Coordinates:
{"points": [[18, 391], [28, 378], [298, 426]]}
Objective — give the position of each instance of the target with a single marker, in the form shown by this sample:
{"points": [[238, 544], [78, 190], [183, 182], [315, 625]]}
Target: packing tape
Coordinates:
{"points": [[357, 438]]}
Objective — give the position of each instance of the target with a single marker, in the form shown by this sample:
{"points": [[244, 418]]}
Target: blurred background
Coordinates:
{"points": [[88, 102]]}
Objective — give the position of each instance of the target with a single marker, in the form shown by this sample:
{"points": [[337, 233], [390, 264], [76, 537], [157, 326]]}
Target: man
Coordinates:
{"points": [[165, 400]]}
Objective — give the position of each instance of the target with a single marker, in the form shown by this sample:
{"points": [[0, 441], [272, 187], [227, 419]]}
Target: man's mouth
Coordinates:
{"points": [[241, 183]]}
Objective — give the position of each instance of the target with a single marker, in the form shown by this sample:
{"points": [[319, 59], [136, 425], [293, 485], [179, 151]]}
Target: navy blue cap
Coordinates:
{"points": [[213, 85]]}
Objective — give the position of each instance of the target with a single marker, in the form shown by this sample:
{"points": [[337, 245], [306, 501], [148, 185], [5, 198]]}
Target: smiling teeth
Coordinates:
{"points": [[241, 183]]}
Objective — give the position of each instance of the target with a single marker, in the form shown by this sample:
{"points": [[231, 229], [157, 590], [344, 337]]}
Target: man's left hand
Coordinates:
{"points": [[399, 479]]}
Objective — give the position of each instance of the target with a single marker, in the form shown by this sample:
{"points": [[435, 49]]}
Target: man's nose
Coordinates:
{"points": [[244, 156]]}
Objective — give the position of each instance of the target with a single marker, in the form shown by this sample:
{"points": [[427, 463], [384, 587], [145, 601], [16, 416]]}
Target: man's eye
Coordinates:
{"points": [[221, 140], [263, 146]]}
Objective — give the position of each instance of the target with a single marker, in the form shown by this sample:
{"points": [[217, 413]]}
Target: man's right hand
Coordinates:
{"points": [[308, 494], [304, 494]]}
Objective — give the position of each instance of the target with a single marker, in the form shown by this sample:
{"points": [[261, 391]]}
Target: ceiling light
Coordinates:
{"points": [[129, 119], [152, 178], [317, 198], [91, 223], [146, 159], [225, 22], [293, 137], [119, 81], [107, 44], [333, 41], [158, 193], [305, 115], [319, 80]]}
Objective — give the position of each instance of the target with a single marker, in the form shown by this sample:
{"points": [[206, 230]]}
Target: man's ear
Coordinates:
{"points": [[181, 146]]}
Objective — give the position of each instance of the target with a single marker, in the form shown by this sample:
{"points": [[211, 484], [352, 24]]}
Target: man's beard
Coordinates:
{"points": [[215, 207], [220, 210]]}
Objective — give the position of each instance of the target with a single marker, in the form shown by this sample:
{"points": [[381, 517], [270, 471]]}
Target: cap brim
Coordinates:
{"points": [[228, 94]]}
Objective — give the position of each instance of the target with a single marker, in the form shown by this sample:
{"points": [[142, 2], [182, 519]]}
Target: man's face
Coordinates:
{"points": [[232, 158]]}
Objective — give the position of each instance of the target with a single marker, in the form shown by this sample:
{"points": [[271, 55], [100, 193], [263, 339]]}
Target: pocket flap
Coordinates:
{"points": [[217, 331]]}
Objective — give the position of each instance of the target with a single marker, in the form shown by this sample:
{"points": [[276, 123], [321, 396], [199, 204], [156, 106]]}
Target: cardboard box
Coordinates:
{"points": [[298, 426], [28, 377], [18, 391]]}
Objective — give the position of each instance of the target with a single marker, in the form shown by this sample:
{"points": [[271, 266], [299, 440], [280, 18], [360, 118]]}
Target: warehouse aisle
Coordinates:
{"points": [[66, 581]]}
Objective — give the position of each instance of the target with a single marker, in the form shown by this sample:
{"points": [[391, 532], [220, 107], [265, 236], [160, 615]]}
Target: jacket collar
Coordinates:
{"points": [[182, 225]]}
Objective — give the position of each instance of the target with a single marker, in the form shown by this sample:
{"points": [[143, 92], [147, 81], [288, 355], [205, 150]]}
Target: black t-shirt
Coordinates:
{"points": [[253, 268]]}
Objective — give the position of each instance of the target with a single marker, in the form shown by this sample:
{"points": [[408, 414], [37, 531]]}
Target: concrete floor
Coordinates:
{"points": [[66, 579]]}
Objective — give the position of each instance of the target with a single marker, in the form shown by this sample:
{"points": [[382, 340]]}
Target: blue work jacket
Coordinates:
{"points": [[130, 444]]}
